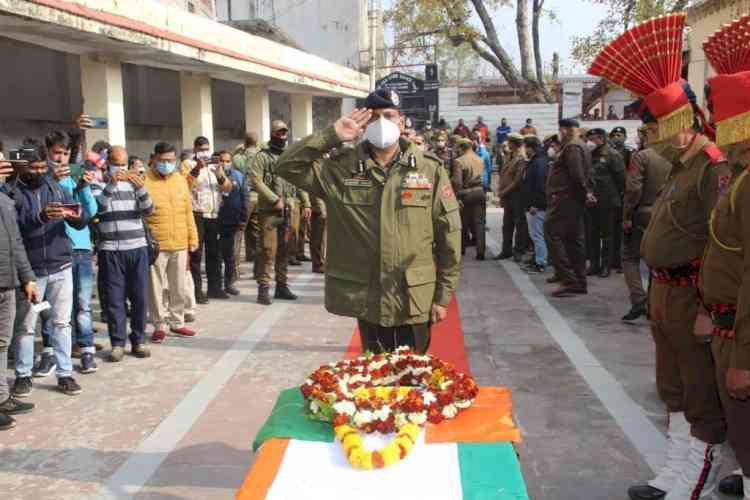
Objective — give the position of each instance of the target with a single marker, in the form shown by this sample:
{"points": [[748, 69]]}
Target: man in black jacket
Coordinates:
{"points": [[535, 200], [15, 270]]}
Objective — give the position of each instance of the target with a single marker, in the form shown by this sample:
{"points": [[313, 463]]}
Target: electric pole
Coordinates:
{"points": [[373, 17]]}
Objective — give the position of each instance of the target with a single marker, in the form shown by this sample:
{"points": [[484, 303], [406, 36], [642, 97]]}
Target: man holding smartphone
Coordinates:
{"points": [[39, 203]]}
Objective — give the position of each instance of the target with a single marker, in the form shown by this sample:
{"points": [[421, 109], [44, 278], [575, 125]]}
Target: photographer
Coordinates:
{"points": [[208, 182], [43, 209]]}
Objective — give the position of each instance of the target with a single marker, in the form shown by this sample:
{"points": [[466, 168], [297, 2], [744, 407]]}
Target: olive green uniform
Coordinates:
{"points": [[467, 184], [393, 235], [725, 279], [271, 254], [568, 182], [644, 178], [514, 215], [616, 257], [250, 232], [676, 237], [608, 178], [318, 234], [297, 200]]}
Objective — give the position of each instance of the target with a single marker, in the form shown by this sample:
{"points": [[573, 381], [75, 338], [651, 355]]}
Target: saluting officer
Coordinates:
{"points": [[608, 177], [393, 224], [467, 184], [644, 176], [271, 255]]}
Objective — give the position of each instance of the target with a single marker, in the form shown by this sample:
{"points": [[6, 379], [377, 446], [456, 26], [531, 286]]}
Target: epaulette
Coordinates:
{"points": [[714, 153], [432, 156]]}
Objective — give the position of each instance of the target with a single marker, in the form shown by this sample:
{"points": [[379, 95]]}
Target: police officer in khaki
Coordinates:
{"points": [[318, 222], [608, 178], [509, 192], [569, 190], [644, 177], [271, 254], [393, 224], [673, 247], [725, 273], [467, 184]]}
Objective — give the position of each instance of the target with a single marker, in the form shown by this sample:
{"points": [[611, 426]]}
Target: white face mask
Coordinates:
{"points": [[551, 152], [382, 133], [591, 145], [203, 155]]}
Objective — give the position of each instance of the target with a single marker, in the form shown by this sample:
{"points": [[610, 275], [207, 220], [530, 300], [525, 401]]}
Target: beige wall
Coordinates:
{"points": [[703, 22]]}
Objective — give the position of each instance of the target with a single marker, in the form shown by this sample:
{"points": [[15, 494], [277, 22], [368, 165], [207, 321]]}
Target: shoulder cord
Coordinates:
{"points": [[732, 203]]}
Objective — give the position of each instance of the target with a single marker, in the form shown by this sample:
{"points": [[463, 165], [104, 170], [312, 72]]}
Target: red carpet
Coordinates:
{"points": [[447, 340]]}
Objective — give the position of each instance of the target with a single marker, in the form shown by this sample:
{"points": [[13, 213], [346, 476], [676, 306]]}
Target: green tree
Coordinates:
{"points": [[621, 15], [469, 23]]}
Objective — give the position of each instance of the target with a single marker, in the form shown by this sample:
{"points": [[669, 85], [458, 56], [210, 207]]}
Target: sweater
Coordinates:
{"points": [[121, 212], [171, 223]]}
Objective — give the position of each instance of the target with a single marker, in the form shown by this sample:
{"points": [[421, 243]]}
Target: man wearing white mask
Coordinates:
{"points": [[394, 230]]}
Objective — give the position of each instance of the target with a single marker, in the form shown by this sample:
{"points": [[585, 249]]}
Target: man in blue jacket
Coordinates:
{"points": [[534, 200], [232, 216], [58, 152], [42, 209]]}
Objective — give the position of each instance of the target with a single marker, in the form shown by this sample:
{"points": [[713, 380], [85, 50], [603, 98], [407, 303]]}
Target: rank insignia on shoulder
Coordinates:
{"points": [[714, 153]]}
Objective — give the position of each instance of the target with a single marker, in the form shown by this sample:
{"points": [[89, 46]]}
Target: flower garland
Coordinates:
{"points": [[386, 393]]}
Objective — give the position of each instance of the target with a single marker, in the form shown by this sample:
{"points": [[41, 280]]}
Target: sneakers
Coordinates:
{"points": [[117, 353], [183, 332], [46, 365], [140, 351], [232, 290], [88, 364], [68, 385], [12, 406], [535, 269], [22, 387], [6, 422], [158, 336]]}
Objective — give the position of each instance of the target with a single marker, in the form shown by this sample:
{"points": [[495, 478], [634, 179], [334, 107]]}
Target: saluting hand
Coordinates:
{"points": [[351, 127]]}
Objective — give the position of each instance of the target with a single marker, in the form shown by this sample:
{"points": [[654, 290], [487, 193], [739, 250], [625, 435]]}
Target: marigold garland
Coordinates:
{"points": [[386, 393]]}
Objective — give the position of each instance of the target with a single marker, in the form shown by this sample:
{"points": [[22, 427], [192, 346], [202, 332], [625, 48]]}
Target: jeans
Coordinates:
{"points": [[57, 289], [208, 239], [536, 230], [83, 284], [127, 274], [7, 314]]}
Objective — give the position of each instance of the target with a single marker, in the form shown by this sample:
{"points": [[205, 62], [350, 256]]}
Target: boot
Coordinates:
{"points": [[264, 297], [284, 293], [635, 312], [732, 484], [699, 476]]}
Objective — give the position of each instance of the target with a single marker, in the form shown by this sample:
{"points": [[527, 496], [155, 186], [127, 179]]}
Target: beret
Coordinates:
{"points": [[620, 130], [596, 131], [569, 122], [383, 98]]}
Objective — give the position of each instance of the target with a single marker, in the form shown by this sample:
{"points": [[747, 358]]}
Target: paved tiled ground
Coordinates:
{"points": [[179, 425]]}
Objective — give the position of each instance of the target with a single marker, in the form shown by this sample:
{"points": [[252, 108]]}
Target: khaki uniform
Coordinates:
{"points": [[514, 214], [393, 234], [608, 178], [723, 280], [297, 199], [676, 237], [644, 178], [467, 176], [271, 256], [568, 181], [318, 234]]}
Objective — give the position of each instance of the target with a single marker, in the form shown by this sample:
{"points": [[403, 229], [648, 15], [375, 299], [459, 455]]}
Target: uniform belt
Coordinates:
{"points": [[723, 317], [683, 276]]}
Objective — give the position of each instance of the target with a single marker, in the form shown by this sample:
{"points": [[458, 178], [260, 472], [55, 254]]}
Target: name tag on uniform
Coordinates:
{"points": [[416, 181], [362, 183]]}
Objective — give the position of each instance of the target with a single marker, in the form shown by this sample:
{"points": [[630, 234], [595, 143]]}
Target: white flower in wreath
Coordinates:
{"points": [[314, 406], [400, 420], [428, 398], [418, 418], [382, 414], [362, 417], [345, 407], [450, 411], [463, 404]]}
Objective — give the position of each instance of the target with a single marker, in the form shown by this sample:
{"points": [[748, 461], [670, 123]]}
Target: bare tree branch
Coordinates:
{"points": [[504, 62], [535, 36], [524, 46]]}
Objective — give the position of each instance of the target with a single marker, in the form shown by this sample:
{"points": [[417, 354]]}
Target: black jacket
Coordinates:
{"points": [[535, 181], [14, 264]]}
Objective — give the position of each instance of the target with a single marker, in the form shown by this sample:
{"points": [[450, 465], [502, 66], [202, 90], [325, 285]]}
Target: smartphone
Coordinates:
{"points": [[76, 170], [99, 122], [72, 209]]}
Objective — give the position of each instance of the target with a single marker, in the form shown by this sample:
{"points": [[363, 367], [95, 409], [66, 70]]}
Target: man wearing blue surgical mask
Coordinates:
{"points": [[173, 226]]}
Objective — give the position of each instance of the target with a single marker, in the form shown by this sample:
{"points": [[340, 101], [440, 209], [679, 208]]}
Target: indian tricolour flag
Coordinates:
{"points": [[470, 457]]}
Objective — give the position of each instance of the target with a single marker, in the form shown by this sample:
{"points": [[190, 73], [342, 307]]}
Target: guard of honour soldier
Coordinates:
{"points": [[695, 249]]}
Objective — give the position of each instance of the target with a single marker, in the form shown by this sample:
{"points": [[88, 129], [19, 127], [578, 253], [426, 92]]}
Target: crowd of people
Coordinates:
{"points": [[144, 231]]}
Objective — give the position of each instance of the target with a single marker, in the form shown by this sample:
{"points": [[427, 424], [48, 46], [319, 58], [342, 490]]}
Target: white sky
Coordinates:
{"points": [[574, 18]]}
